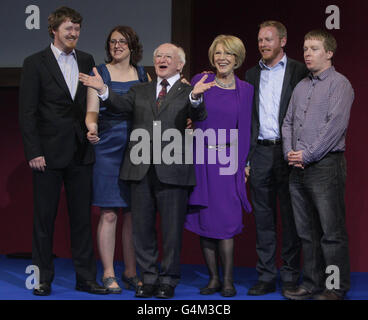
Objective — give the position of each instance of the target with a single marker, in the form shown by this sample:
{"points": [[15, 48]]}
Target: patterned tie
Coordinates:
{"points": [[164, 83]]}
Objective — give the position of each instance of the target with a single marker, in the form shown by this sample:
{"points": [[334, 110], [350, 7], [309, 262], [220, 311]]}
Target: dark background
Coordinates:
{"points": [[194, 26]]}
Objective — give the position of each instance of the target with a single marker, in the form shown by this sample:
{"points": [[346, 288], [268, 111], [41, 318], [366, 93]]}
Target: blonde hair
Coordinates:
{"points": [[281, 29], [231, 44]]}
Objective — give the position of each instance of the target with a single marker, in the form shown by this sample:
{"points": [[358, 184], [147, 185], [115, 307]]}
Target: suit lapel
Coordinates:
{"points": [[53, 67], [174, 91], [285, 85], [151, 96], [256, 88], [81, 68]]}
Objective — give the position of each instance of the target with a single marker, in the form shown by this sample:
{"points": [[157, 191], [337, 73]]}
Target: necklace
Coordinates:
{"points": [[225, 85]]}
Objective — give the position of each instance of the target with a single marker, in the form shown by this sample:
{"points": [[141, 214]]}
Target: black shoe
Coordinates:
{"points": [[208, 291], [165, 291], [228, 292], [44, 289], [146, 291], [261, 288], [329, 295], [288, 285], [299, 293], [91, 286]]}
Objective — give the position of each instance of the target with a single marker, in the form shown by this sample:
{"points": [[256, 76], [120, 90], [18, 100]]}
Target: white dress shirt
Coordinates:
{"points": [[69, 68], [270, 88]]}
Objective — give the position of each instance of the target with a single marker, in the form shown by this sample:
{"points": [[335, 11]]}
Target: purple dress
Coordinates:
{"points": [[216, 203]]}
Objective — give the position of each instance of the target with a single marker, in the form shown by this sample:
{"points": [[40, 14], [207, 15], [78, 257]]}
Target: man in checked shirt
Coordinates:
{"points": [[314, 131]]}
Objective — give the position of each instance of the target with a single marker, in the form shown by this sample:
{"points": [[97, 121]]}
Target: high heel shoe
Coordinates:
{"points": [[131, 283], [107, 282]]}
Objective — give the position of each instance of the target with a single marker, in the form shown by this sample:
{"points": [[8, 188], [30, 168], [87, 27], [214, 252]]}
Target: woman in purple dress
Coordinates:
{"points": [[217, 201]]}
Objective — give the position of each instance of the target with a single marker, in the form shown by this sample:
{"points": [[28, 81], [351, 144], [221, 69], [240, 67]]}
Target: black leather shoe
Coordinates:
{"points": [[288, 285], [208, 291], [229, 292], [299, 293], [165, 291], [329, 295], [146, 291], [43, 290], [91, 286], [261, 288]]}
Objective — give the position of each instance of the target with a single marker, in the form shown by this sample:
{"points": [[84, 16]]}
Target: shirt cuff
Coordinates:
{"points": [[307, 157], [197, 102], [105, 95]]}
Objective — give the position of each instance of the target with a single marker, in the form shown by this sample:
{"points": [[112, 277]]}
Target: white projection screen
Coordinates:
{"points": [[23, 26]]}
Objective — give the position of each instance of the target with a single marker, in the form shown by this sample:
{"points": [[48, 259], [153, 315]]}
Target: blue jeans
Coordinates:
{"points": [[317, 196]]}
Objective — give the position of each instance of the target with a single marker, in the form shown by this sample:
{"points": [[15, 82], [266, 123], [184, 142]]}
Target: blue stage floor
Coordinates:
{"points": [[13, 278]]}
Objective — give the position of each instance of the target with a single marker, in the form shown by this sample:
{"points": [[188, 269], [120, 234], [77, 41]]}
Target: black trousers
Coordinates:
{"points": [[269, 181], [317, 195], [47, 185], [149, 196]]}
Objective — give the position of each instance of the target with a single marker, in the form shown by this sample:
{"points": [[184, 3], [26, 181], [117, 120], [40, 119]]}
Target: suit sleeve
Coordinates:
{"points": [[124, 103], [198, 113], [29, 95]]}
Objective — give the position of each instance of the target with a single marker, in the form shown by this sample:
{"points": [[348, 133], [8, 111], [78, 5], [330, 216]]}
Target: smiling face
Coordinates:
{"points": [[167, 61], [223, 60], [66, 36], [119, 48], [270, 45], [316, 58]]}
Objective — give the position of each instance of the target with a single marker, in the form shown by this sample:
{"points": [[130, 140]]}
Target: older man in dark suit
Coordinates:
{"points": [[52, 111], [156, 184], [274, 79]]}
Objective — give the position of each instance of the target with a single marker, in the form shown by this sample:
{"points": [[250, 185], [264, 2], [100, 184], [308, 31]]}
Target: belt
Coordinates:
{"points": [[269, 142], [219, 146]]}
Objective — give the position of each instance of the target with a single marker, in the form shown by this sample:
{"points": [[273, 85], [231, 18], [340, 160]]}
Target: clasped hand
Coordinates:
{"points": [[295, 158]]}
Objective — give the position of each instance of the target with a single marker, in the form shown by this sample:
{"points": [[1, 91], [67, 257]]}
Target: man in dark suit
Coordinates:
{"points": [[157, 185], [52, 111], [274, 79]]}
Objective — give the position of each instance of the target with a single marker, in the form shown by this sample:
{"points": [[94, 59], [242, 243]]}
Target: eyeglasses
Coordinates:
{"points": [[121, 42]]}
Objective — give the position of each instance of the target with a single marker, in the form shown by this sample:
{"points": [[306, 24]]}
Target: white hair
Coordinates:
{"points": [[180, 52]]}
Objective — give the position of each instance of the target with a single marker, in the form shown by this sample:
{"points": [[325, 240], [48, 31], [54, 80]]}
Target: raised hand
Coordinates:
{"points": [[94, 82], [200, 87]]}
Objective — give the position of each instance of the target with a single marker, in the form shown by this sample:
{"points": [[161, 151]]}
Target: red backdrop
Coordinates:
{"points": [[211, 18]]}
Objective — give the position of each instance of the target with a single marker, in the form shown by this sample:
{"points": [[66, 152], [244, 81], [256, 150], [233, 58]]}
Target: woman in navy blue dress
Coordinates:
{"points": [[109, 132]]}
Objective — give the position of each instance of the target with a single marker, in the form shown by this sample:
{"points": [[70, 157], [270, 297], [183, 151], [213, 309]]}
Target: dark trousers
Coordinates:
{"points": [[269, 180], [149, 196], [317, 194], [47, 185]]}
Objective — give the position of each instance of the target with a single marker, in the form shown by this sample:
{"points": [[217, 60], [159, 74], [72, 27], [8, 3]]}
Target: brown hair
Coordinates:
{"points": [[329, 41], [61, 14], [135, 47], [232, 44], [281, 29]]}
